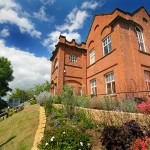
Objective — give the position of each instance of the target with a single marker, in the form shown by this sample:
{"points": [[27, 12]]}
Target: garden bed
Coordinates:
{"points": [[118, 126], [63, 132]]}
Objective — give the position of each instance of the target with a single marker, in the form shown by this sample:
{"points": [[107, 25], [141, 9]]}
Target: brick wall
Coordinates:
{"points": [[125, 60]]}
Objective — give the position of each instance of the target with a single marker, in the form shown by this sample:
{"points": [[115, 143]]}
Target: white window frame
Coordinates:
{"points": [[56, 63], [92, 56], [147, 80], [109, 79], [73, 58], [107, 43], [140, 39], [93, 87]]}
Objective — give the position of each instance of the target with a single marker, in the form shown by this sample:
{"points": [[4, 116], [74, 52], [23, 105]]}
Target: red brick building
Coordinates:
{"points": [[114, 60]]}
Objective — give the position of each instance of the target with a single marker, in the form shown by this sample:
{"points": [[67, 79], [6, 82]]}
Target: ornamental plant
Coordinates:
{"points": [[144, 107], [141, 144], [120, 138], [44, 96], [65, 138], [69, 101]]}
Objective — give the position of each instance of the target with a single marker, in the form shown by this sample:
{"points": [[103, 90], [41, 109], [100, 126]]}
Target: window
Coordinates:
{"points": [[147, 79], [80, 91], [73, 58], [140, 39], [110, 83], [92, 56], [107, 45], [93, 87], [56, 63]]}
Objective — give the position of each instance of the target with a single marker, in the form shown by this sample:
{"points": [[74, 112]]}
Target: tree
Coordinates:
{"points": [[23, 95], [41, 87], [38, 88], [6, 76], [3, 104]]}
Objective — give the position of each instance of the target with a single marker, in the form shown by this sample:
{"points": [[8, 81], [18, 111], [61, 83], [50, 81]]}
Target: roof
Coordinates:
{"points": [[119, 18], [117, 9], [63, 41]]}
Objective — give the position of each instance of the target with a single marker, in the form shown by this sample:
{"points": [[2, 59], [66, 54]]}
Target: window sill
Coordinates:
{"points": [[101, 58], [146, 53], [108, 53], [111, 95]]}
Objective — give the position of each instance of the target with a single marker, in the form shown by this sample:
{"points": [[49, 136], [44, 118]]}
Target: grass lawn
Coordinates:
{"points": [[18, 131]]}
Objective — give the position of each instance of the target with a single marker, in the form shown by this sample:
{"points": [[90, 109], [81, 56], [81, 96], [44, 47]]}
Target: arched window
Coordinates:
{"points": [[56, 63], [140, 39], [92, 56]]}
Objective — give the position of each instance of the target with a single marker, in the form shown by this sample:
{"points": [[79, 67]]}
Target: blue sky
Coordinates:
{"points": [[29, 30]]}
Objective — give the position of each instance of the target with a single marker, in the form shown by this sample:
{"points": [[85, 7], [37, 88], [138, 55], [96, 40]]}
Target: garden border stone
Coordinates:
{"points": [[40, 131]]}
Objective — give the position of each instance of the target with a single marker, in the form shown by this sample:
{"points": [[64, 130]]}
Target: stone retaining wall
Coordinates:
{"points": [[113, 117]]}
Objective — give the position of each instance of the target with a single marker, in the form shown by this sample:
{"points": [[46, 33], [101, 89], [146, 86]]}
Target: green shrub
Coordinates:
{"points": [[32, 102], [95, 104], [86, 121], [128, 105], [57, 99], [65, 138], [108, 104], [58, 112], [48, 107], [82, 101], [69, 100], [43, 96]]}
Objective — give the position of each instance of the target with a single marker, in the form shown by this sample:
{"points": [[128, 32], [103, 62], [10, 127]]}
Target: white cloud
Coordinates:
{"points": [[9, 4], [53, 37], [73, 22], [28, 69], [91, 5], [48, 2], [41, 15], [5, 32], [72, 35], [11, 12]]}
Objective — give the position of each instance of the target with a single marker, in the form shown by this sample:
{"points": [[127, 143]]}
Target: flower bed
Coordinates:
{"points": [[71, 127], [63, 132]]}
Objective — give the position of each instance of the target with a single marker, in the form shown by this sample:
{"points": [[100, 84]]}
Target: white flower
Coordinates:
{"points": [[46, 144], [88, 144], [81, 143], [52, 138], [64, 132]]}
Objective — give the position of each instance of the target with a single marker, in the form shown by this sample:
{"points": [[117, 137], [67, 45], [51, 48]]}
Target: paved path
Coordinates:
{"points": [[40, 131]]}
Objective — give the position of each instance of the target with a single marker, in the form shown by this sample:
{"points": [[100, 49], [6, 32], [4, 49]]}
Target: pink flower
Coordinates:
{"points": [[144, 107], [141, 144]]}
